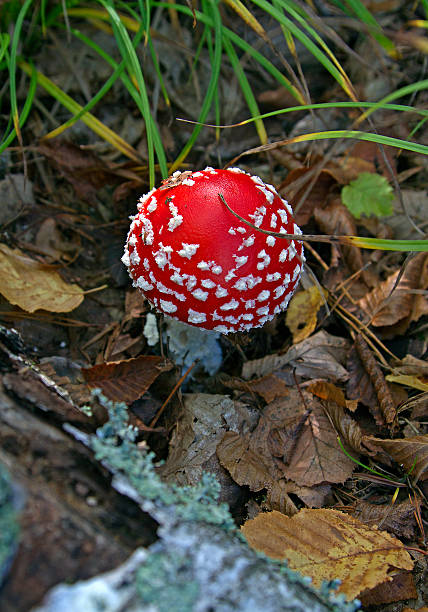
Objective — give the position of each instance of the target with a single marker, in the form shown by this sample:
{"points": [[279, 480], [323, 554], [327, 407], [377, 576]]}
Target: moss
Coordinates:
{"points": [[115, 443], [9, 527], [166, 581]]}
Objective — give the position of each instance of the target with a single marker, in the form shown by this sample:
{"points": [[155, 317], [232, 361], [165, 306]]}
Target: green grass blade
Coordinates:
{"points": [[335, 134], [308, 43], [92, 122], [212, 86], [133, 67], [407, 90], [389, 245], [4, 44], [126, 81], [303, 20], [325, 105], [246, 90], [363, 13], [98, 96], [12, 67], [24, 113], [242, 44]]}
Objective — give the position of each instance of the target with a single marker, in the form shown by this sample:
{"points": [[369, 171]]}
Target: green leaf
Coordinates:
{"points": [[369, 194]]}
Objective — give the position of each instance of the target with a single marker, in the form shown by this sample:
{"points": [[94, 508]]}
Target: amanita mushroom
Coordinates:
{"points": [[195, 261]]}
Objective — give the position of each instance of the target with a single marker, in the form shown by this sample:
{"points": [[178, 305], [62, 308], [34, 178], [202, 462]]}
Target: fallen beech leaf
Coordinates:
{"points": [[320, 355], [386, 412], [126, 381], [386, 309], [293, 439], [302, 312], [317, 456], [269, 387], [359, 387], [328, 391], [328, 544], [278, 498], [199, 429], [32, 286], [412, 453], [245, 466], [348, 429], [402, 586], [259, 470], [398, 519], [418, 405], [81, 167], [412, 365], [409, 381], [370, 152]]}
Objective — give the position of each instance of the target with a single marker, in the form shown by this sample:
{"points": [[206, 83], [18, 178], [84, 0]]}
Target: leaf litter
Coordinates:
{"points": [[268, 423]]}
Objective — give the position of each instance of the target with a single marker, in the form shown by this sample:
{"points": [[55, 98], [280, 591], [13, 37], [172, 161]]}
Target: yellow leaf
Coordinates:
{"points": [[32, 286], [328, 544], [408, 380], [302, 312]]}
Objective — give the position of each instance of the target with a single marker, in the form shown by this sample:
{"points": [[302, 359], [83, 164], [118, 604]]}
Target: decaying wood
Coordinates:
{"points": [[73, 525]]}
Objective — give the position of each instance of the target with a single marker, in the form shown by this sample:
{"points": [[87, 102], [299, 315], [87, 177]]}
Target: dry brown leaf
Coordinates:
{"points": [[328, 391], [302, 312], [200, 427], [348, 429], [398, 519], [269, 387], [402, 586], [250, 461], [386, 413], [245, 466], [359, 386], [292, 439], [278, 498], [411, 453], [319, 356], [317, 456], [370, 152], [413, 365], [295, 185], [418, 405], [32, 286], [81, 167], [126, 381], [337, 220], [401, 306], [411, 372], [135, 304], [51, 241], [328, 544]]}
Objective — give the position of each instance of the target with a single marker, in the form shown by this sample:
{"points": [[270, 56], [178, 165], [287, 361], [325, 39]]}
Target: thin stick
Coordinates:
{"points": [[168, 399]]}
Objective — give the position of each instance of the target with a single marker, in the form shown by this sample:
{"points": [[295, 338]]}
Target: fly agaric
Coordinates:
{"points": [[197, 262]]}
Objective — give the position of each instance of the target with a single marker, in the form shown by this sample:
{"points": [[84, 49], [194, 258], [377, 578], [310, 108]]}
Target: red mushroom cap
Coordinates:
{"points": [[197, 262]]}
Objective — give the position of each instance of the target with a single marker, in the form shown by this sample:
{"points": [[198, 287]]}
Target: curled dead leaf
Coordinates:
{"points": [[128, 380], [391, 304], [411, 453], [33, 286], [302, 312]]}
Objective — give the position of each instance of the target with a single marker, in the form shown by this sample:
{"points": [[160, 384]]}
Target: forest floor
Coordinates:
{"points": [[323, 408]]}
